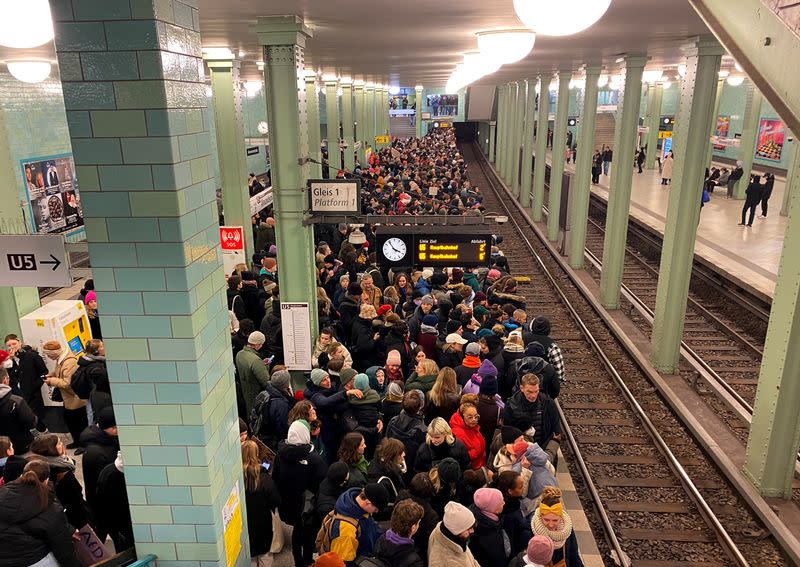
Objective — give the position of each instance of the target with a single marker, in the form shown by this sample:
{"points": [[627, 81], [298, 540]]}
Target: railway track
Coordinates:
{"points": [[654, 498]]}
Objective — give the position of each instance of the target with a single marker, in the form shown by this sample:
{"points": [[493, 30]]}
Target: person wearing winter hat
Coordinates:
{"points": [[465, 426], [353, 531], [539, 331], [534, 360], [539, 553], [332, 487], [490, 408], [448, 546], [329, 402], [488, 542], [347, 376], [469, 365], [428, 335], [392, 404], [425, 307], [274, 415], [394, 366], [329, 559], [366, 413], [253, 373], [552, 521], [91, 312]]}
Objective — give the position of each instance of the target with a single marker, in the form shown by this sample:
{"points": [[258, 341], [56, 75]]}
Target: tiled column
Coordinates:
{"points": [[227, 102], [527, 145], [508, 154], [519, 133], [652, 119], [747, 145], [369, 115], [683, 212], [559, 143], [332, 112], [541, 147], [581, 182], [314, 131], [417, 119], [135, 99], [502, 94], [709, 146], [792, 176], [358, 97], [284, 38], [347, 123], [619, 200]]}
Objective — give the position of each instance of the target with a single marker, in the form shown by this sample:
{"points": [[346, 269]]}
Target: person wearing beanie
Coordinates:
{"points": [[470, 364], [465, 426], [377, 380], [428, 335], [538, 553], [252, 371], [539, 331], [353, 530], [329, 559], [552, 521], [332, 487], [330, 403], [275, 402], [490, 408], [392, 403], [424, 308], [448, 546], [488, 541], [365, 339], [448, 480], [298, 468], [365, 413], [101, 445], [269, 268], [394, 366], [91, 312], [533, 361], [396, 546]]}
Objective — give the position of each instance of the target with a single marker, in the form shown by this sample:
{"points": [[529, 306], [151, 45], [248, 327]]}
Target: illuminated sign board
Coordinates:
{"points": [[453, 250], [433, 246]]}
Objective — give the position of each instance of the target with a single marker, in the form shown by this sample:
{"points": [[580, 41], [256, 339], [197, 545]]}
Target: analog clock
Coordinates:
{"points": [[394, 249], [263, 127]]}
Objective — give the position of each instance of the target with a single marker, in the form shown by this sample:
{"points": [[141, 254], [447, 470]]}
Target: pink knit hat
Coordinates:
{"points": [[540, 550], [488, 500], [90, 296], [393, 357]]}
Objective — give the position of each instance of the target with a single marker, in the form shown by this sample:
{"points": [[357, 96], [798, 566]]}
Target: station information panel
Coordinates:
{"points": [[433, 246]]}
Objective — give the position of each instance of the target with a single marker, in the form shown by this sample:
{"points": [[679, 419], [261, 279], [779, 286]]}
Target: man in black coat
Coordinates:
{"points": [[112, 511], [27, 368], [101, 444], [16, 418], [530, 408]]}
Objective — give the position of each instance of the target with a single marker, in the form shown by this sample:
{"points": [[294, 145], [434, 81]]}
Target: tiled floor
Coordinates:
{"points": [[751, 255]]}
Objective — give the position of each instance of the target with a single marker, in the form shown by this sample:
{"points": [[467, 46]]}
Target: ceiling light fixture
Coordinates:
{"points": [[25, 24], [218, 53], [602, 81], [565, 17], [652, 76], [506, 46], [666, 84], [735, 80], [394, 90], [29, 71]]}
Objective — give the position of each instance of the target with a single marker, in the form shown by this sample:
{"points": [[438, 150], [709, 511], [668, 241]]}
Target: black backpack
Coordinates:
{"points": [[260, 405], [82, 383]]}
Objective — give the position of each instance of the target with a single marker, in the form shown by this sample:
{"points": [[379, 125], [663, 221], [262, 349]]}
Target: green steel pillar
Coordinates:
{"points": [[332, 111], [541, 147], [527, 146], [520, 130], [418, 116], [139, 131], [747, 145], [314, 132], [581, 182], [652, 119], [501, 128], [775, 429], [559, 143], [693, 123], [369, 116], [358, 98], [380, 109], [492, 135], [713, 131], [792, 177], [347, 124], [283, 39], [227, 100], [508, 157], [619, 200]]}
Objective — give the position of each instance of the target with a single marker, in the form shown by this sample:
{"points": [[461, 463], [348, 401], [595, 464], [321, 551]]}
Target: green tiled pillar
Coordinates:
{"points": [[284, 38], [417, 119], [502, 93], [619, 201], [492, 136], [541, 147], [747, 145], [332, 112], [347, 123], [314, 132], [519, 131], [358, 97], [369, 116], [527, 145], [135, 101], [655, 96], [508, 144], [559, 143], [227, 101], [381, 111], [703, 57]]}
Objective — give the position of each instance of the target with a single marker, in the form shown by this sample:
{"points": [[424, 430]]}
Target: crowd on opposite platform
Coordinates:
{"points": [[426, 433]]}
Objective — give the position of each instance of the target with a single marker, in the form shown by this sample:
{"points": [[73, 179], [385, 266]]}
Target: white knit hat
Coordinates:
{"points": [[457, 518]]}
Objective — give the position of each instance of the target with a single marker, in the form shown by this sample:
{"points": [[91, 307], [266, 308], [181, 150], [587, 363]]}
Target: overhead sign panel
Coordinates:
{"points": [[34, 260], [334, 196], [433, 246]]}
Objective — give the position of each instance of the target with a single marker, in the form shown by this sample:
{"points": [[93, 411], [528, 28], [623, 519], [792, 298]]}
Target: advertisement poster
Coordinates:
{"points": [[722, 130], [769, 145], [53, 198], [232, 524]]}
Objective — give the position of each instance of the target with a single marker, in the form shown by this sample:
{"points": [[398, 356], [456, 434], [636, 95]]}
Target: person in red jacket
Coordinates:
{"points": [[465, 424]]}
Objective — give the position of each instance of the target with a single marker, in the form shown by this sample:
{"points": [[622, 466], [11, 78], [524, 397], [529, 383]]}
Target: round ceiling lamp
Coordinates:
{"points": [[29, 71], [735, 80], [25, 24], [505, 46], [564, 17], [394, 90]]}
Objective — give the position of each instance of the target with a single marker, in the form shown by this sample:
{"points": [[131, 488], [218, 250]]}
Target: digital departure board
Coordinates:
{"points": [[433, 246], [453, 250]]}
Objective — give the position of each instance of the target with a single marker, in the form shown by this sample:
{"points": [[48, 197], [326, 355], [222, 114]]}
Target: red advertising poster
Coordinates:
{"points": [[722, 130], [771, 135]]}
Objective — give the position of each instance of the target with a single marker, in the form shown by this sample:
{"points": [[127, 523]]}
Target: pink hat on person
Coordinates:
{"points": [[393, 357], [493, 274], [90, 296], [540, 550], [488, 500]]}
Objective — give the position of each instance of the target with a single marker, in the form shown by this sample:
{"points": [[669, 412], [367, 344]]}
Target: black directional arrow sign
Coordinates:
{"points": [[34, 260]]}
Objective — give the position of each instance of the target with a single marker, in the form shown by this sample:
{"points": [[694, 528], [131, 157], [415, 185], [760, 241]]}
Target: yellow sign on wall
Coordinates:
{"points": [[381, 139], [663, 135], [232, 522]]}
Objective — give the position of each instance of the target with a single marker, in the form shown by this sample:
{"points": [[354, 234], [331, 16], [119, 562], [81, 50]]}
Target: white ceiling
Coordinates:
{"points": [[419, 42]]}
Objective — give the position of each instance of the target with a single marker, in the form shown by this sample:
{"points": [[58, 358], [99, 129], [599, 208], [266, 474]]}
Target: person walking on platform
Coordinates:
{"points": [[752, 199], [640, 159], [766, 193], [666, 170], [608, 155], [734, 178]]}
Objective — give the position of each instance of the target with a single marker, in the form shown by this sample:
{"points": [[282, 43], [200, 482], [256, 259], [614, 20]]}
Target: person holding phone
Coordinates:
{"points": [[262, 498]]}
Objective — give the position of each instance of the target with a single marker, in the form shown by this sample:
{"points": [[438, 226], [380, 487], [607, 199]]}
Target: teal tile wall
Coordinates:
{"points": [[142, 138]]}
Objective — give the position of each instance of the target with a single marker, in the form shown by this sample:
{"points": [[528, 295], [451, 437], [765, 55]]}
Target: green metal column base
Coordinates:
{"points": [[619, 200], [541, 148], [559, 143], [747, 145], [527, 145], [683, 212], [582, 182], [655, 96]]}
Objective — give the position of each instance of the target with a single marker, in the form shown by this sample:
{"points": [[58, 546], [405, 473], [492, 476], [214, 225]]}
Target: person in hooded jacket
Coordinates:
{"points": [[440, 443], [399, 357], [377, 380], [518, 529], [428, 335], [365, 414], [274, 419], [354, 531], [470, 364], [102, 444], [415, 321], [409, 427], [331, 488], [492, 350], [26, 370], [34, 527], [16, 418], [392, 404], [539, 331], [473, 385], [297, 469], [92, 365], [489, 543], [534, 362], [396, 547], [466, 427]]}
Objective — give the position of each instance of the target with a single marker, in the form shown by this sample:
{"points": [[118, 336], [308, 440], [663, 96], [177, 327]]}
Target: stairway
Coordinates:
{"points": [[604, 130], [400, 127]]}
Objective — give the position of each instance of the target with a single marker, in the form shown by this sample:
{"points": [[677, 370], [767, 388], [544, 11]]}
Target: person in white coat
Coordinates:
{"points": [[447, 546], [666, 169]]}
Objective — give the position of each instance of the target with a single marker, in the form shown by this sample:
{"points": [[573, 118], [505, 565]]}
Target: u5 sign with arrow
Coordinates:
{"points": [[34, 260]]}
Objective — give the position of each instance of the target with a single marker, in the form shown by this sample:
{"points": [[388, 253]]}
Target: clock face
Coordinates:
{"points": [[394, 249], [263, 127]]}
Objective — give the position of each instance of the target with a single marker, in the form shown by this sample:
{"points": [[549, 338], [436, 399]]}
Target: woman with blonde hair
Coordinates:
{"points": [[552, 520], [424, 376], [262, 498], [443, 397], [440, 443]]}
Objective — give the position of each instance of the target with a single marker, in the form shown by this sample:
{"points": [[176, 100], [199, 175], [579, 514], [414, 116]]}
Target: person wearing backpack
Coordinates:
{"points": [[349, 530], [395, 548], [269, 418], [90, 381]]}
